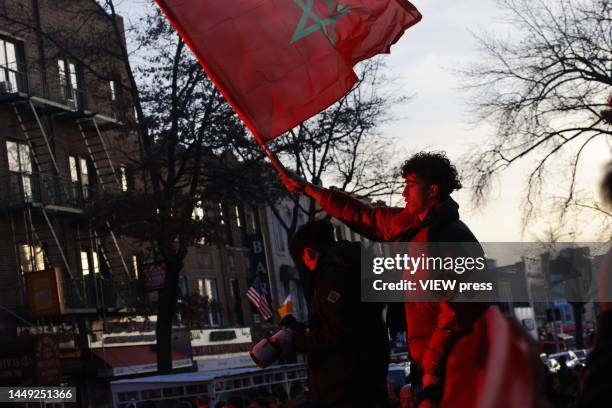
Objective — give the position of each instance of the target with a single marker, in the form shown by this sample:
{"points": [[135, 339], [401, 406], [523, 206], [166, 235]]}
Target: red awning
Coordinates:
{"points": [[128, 360]]}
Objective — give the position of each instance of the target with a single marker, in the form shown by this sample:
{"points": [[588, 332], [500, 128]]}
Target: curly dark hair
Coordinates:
{"points": [[434, 168], [316, 234]]}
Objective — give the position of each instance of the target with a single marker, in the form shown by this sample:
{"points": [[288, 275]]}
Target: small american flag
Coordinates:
{"points": [[257, 296]]}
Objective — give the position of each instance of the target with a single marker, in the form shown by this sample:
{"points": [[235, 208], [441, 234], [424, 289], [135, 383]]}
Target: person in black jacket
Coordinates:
{"points": [[346, 340]]}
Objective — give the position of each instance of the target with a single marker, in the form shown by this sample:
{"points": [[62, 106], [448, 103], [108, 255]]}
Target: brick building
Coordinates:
{"points": [[224, 271], [63, 145]]}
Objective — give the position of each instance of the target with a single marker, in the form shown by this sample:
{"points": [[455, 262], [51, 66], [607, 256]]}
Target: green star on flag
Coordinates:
{"points": [[320, 23], [279, 62]]}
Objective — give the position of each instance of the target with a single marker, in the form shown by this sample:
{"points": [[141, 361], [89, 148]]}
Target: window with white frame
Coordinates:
{"points": [[79, 175], [20, 165], [123, 177], [31, 257], [69, 83], [89, 263], [237, 212], [85, 271], [212, 293], [11, 75], [113, 91], [135, 268], [201, 290]]}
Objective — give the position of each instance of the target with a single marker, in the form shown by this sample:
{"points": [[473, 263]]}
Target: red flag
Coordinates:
{"points": [[279, 62], [494, 366]]}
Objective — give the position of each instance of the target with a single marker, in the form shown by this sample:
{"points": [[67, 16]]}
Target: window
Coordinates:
{"points": [[135, 266], [20, 165], [11, 77], [79, 175], [237, 212], [113, 92], [84, 263], [212, 294], [221, 214], [208, 287], [19, 157], [89, 263], [201, 287], [32, 258], [123, 177], [198, 211], [74, 169], [211, 289], [69, 83], [84, 167], [96, 265]]}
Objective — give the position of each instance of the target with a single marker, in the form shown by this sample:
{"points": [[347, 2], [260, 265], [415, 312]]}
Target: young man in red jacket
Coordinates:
{"points": [[429, 215]]}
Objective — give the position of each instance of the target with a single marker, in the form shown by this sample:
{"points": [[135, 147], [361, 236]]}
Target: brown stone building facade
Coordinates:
{"points": [[224, 271], [63, 143]]}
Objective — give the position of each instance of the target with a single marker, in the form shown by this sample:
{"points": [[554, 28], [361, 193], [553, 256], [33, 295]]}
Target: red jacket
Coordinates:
{"points": [[433, 327]]}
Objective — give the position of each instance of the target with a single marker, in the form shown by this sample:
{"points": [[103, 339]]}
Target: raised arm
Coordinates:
{"points": [[372, 222]]}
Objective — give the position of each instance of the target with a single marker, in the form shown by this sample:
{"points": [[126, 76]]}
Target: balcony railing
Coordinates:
{"points": [[21, 188], [95, 292], [17, 79], [13, 79]]}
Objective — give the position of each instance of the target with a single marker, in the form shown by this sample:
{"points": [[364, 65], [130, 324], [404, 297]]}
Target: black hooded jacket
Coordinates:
{"points": [[346, 340]]}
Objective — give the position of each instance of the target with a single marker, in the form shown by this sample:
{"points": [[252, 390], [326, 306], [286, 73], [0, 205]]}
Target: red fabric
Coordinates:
{"points": [[273, 76], [491, 367], [433, 327]]}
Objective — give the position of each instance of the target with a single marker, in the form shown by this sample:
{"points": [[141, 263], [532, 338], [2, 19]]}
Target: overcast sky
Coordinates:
{"points": [[437, 119]]}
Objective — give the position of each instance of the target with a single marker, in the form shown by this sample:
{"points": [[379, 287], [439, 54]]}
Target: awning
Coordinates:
{"points": [[127, 360]]}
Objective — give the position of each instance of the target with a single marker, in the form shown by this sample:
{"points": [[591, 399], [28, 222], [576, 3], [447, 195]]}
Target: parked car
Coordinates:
{"points": [[571, 359], [398, 375]]}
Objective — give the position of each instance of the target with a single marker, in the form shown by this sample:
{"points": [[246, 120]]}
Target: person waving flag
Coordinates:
{"points": [[279, 62]]}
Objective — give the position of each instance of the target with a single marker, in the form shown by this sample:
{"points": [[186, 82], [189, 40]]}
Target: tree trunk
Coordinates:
{"points": [[165, 314]]}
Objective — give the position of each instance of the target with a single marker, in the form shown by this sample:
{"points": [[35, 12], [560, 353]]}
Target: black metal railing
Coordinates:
{"points": [[17, 78], [91, 292], [13, 79], [20, 188]]}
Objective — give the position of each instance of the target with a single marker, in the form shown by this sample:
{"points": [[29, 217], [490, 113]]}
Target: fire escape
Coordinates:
{"points": [[47, 210]]}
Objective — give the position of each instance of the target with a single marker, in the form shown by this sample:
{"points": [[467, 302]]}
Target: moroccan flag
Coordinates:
{"points": [[279, 62]]}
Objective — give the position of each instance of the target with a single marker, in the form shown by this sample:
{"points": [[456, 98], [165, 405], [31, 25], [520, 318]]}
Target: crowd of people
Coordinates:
{"points": [[462, 354], [455, 347]]}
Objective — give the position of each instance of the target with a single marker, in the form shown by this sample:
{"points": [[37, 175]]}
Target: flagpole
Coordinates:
{"points": [[272, 156]]}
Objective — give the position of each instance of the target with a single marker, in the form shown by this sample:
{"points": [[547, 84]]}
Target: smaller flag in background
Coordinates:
{"points": [[286, 307], [257, 296]]}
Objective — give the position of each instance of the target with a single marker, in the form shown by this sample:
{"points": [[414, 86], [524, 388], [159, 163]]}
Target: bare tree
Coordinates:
{"points": [[544, 88], [187, 131], [343, 146], [184, 128]]}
